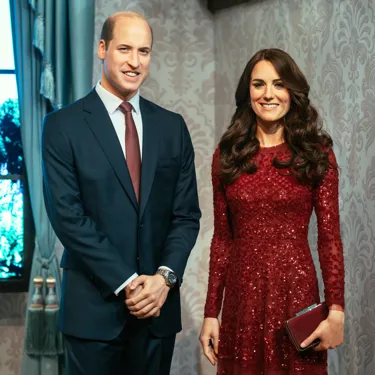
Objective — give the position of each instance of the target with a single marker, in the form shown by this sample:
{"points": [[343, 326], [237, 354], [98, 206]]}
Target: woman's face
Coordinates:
{"points": [[269, 98]]}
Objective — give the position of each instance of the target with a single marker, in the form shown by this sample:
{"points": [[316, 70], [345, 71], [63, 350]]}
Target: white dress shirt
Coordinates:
{"points": [[111, 103]]}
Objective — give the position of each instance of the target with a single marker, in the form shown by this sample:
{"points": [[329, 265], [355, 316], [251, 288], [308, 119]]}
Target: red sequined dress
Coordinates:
{"points": [[261, 256]]}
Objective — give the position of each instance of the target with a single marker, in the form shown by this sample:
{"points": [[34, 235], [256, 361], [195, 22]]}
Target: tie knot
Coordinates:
{"points": [[125, 107]]}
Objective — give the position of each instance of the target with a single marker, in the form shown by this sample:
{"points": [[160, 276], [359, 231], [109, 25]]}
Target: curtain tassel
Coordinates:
{"points": [[53, 340], [35, 311]]}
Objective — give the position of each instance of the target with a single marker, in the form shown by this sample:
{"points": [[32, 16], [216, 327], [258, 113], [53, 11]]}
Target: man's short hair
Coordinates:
{"points": [[109, 25]]}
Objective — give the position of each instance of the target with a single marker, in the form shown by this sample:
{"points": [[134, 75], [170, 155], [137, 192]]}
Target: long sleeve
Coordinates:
{"points": [[330, 248], [184, 226], [221, 244]]}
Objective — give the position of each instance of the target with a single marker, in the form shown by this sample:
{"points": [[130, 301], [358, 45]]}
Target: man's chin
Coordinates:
{"points": [[128, 91], [131, 86]]}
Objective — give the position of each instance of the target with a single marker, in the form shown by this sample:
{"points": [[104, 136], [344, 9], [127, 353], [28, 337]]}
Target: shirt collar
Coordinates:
{"points": [[112, 102]]}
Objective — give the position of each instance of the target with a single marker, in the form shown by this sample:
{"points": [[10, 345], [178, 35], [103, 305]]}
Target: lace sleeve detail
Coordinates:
{"points": [[329, 240], [220, 245]]}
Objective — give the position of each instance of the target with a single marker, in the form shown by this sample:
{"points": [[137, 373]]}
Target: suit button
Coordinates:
{"points": [[137, 258], [141, 225]]}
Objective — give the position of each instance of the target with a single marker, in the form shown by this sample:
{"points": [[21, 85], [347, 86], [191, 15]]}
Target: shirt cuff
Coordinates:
{"points": [[166, 268], [127, 282]]}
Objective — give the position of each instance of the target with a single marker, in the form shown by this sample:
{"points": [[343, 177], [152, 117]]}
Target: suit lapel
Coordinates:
{"points": [[101, 125], [149, 151]]}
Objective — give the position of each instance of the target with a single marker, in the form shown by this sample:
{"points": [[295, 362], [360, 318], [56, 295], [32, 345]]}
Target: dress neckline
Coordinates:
{"points": [[278, 147]]}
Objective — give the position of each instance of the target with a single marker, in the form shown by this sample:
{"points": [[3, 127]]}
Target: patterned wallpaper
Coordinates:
{"points": [[333, 41], [196, 64]]}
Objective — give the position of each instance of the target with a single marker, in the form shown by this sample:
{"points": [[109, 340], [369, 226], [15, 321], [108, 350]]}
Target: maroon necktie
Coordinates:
{"points": [[133, 154]]}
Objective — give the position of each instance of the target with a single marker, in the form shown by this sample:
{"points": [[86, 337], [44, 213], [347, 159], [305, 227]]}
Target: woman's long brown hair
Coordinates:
{"points": [[303, 132]]}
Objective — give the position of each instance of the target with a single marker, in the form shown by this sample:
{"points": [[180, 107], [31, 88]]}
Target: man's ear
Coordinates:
{"points": [[101, 49]]}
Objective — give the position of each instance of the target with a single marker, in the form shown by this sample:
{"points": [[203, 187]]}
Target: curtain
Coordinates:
{"points": [[53, 58]]}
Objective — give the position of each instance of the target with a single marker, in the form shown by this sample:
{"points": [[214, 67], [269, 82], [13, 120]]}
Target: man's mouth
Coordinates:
{"points": [[131, 74]]}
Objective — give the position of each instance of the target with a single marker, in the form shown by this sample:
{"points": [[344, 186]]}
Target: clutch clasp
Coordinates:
{"points": [[307, 309]]}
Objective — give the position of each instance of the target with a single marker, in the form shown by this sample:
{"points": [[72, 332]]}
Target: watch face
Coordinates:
{"points": [[172, 278]]}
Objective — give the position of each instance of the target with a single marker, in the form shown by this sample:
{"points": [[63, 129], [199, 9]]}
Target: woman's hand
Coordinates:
{"points": [[209, 339], [330, 332]]}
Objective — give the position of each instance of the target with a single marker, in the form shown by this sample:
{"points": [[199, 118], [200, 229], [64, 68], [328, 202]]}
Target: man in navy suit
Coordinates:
{"points": [[121, 193]]}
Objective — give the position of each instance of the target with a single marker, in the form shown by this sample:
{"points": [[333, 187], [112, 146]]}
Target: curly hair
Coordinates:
{"points": [[303, 133]]}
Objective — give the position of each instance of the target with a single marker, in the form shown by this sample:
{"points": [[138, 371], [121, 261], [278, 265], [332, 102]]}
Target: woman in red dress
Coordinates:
{"points": [[273, 166]]}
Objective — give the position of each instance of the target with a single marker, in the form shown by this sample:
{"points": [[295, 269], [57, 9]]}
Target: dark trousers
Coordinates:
{"points": [[134, 352]]}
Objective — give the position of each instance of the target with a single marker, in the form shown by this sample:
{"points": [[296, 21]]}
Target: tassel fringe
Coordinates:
{"points": [[42, 335]]}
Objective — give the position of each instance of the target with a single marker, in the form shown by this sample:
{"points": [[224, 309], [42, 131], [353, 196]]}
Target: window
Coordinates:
{"points": [[16, 231]]}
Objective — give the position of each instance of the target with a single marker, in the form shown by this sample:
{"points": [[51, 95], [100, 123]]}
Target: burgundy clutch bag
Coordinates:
{"points": [[304, 324]]}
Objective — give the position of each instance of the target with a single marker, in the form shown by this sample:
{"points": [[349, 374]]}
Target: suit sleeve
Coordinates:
{"points": [[77, 232], [184, 226]]}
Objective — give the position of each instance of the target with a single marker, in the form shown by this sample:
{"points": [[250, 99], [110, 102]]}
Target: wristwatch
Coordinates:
{"points": [[169, 277]]}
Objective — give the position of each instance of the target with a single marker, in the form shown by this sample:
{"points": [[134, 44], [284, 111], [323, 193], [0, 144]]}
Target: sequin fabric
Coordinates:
{"points": [[261, 257]]}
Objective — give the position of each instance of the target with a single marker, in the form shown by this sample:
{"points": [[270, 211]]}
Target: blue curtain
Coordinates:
{"points": [[53, 47]]}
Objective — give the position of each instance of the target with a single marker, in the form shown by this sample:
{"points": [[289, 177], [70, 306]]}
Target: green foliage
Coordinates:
{"points": [[11, 158], [11, 229], [11, 192]]}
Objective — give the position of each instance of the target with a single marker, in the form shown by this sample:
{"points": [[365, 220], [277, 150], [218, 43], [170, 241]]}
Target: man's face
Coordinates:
{"points": [[126, 60]]}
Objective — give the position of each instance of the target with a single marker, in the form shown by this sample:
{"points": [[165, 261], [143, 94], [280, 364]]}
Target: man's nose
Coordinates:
{"points": [[134, 60]]}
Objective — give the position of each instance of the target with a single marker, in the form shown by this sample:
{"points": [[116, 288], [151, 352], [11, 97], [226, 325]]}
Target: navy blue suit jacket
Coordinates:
{"points": [[92, 206]]}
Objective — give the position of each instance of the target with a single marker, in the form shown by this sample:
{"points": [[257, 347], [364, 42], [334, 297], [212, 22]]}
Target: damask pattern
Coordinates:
{"points": [[333, 43], [196, 64]]}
